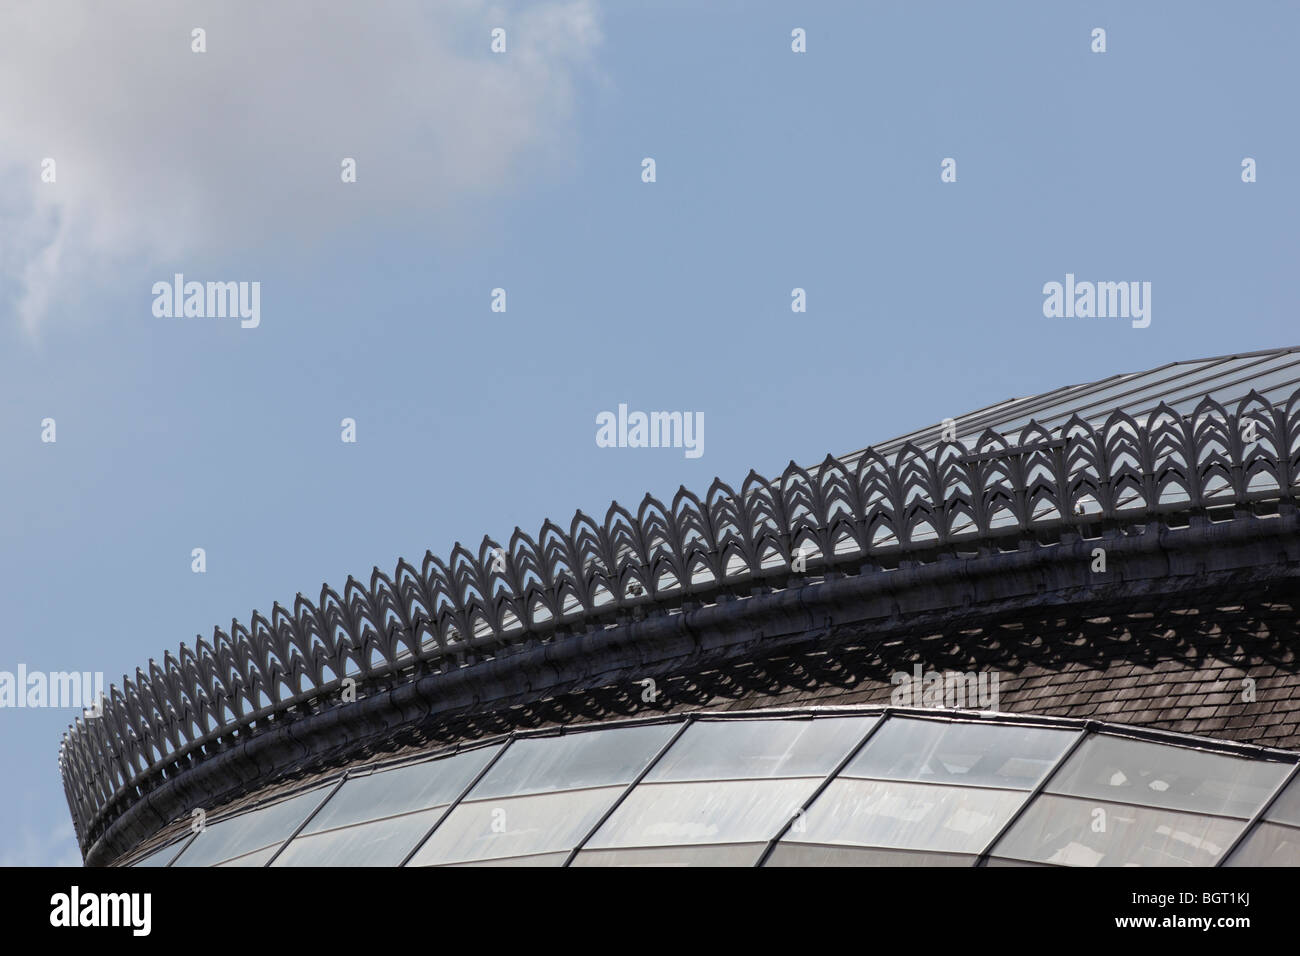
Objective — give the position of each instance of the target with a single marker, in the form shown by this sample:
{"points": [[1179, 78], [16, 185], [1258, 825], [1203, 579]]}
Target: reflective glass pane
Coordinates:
{"points": [[732, 749], [390, 792], [999, 861], [574, 761], [1075, 832], [726, 811], [258, 858], [382, 843], [1286, 808], [161, 857], [803, 854], [516, 826], [1145, 392], [906, 816], [250, 831], [1268, 845], [730, 854], [1160, 775], [983, 755], [537, 859]]}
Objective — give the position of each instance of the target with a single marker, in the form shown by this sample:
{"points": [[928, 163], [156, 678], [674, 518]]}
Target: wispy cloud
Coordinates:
{"points": [[161, 151]]}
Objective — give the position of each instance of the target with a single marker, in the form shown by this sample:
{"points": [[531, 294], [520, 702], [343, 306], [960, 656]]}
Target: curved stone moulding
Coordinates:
{"points": [[862, 518]]}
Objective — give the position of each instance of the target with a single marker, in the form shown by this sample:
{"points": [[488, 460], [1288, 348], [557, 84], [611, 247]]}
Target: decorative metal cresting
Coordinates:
{"points": [[862, 518]]}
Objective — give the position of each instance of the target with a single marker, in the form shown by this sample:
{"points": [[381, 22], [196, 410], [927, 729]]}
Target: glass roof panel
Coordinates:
{"points": [[256, 858], [730, 749], [1226, 378], [1286, 808], [726, 854], [1141, 394], [1234, 383], [1276, 386], [1001, 861], [516, 826], [536, 859], [721, 811], [1268, 845], [161, 857], [803, 854], [1076, 832], [401, 790], [906, 816], [252, 830], [977, 755], [1160, 775], [381, 843], [574, 760]]}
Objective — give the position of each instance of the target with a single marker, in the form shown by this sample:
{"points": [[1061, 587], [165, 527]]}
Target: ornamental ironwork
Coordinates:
{"points": [[835, 517]]}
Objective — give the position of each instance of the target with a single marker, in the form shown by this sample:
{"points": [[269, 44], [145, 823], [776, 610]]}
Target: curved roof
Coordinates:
{"points": [[952, 526]]}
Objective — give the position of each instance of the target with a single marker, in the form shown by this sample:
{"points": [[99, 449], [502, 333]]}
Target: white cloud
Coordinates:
{"points": [[162, 152]]}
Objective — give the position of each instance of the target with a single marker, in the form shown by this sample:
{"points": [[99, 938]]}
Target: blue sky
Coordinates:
{"points": [[522, 171]]}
